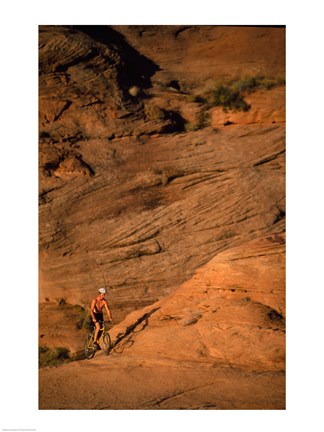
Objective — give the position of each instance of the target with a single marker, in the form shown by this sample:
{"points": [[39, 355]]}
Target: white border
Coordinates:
{"points": [[19, 229]]}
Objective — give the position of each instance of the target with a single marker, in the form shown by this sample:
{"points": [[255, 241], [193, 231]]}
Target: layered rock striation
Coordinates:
{"points": [[217, 342], [131, 197]]}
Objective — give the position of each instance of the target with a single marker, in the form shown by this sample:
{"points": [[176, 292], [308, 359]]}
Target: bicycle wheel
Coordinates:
{"points": [[106, 344], [89, 349]]}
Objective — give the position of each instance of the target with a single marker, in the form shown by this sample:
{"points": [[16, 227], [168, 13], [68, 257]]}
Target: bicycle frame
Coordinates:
{"points": [[103, 341]]}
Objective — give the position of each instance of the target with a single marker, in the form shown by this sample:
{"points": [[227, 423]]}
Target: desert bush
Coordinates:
{"points": [[251, 84], [202, 120], [228, 99], [230, 94], [280, 80], [53, 357], [246, 84], [222, 95], [153, 112], [85, 320], [79, 308]]}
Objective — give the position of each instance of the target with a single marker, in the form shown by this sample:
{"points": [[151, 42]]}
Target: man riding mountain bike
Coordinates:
{"points": [[96, 311]]}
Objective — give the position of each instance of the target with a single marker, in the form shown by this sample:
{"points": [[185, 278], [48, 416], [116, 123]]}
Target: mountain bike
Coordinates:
{"points": [[104, 341]]}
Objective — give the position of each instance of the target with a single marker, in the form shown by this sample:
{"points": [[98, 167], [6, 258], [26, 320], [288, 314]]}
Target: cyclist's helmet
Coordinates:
{"points": [[102, 290]]}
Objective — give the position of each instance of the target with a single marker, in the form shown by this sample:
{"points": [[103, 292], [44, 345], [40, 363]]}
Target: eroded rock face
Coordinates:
{"points": [[231, 312], [131, 198], [217, 342], [188, 56], [143, 223]]}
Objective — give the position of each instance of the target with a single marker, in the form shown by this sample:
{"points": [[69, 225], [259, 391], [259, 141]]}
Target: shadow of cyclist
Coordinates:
{"points": [[131, 329]]}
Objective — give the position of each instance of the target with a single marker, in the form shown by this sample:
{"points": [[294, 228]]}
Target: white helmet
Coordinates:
{"points": [[102, 290]]}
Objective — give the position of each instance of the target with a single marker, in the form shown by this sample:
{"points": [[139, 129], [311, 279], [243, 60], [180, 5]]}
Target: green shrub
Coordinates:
{"points": [[281, 80], [245, 85], [251, 84], [79, 308], [228, 99], [202, 120], [53, 357], [85, 320], [230, 94], [153, 112]]}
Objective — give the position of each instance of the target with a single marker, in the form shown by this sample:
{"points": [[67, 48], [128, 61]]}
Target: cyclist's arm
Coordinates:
{"points": [[108, 311], [91, 310]]}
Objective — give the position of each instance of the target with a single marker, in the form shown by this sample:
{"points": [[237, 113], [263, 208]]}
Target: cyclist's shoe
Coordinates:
{"points": [[96, 346]]}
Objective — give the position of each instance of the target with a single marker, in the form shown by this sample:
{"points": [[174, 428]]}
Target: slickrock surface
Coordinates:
{"points": [[143, 224], [217, 342]]}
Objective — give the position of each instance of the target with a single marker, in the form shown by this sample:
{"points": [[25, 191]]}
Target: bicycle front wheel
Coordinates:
{"points": [[106, 343], [89, 349]]}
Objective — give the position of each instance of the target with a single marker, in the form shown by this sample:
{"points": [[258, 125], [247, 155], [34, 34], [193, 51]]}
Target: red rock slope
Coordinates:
{"points": [[217, 342]]}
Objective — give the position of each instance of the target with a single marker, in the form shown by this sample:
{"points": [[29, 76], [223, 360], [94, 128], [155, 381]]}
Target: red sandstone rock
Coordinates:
{"points": [[218, 331], [139, 190]]}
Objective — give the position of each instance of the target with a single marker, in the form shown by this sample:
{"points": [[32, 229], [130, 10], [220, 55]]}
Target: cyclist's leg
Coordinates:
{"points": [[99, 319], [97, 324]]}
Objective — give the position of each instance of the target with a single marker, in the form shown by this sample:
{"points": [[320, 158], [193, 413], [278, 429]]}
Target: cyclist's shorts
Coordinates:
{"points": [[99, 316]]}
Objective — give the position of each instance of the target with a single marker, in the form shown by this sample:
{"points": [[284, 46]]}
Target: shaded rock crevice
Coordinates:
{"points": [[137, 68]]}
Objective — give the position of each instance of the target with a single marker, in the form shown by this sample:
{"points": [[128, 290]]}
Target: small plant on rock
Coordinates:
{"points": [[53, 356], [230, 94], [153, 112], [228, 99]]}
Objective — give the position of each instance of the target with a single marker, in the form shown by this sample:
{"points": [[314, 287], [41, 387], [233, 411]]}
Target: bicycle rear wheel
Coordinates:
{"points": [[89, 349], [106, 344]]}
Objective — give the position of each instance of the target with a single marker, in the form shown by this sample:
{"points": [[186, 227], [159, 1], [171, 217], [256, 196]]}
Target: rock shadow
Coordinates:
{"points": [[137, 69]]}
